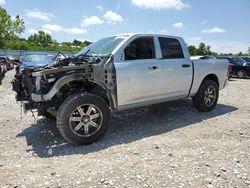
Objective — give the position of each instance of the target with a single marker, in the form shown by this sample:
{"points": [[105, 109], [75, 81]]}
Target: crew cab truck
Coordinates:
{"points": [[118, 73]]}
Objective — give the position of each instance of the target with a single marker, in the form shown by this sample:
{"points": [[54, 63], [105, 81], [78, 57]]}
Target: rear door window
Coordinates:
{"points": [[170, 48]]}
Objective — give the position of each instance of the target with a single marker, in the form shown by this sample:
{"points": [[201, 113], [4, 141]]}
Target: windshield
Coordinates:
{"points": [[222, 57], [102, 47], [38, 57], [238, 60], [247, 59]]}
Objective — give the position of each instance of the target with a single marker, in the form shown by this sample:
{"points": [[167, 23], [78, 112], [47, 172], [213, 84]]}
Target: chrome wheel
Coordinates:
{"points": [[86, 120], [210, 96]]}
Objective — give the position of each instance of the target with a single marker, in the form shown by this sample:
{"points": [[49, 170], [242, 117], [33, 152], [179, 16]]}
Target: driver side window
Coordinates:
{"points": [[141, 48]]}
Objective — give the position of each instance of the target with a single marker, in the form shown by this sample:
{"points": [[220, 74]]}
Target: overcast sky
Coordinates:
{"points": [[223, 24]]}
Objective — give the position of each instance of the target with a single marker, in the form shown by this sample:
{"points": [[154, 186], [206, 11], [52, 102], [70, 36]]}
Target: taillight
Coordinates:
{"points": [[229, 69]]}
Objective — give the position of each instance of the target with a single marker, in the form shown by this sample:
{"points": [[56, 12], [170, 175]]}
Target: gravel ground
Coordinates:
{"points": [[173, 146]]}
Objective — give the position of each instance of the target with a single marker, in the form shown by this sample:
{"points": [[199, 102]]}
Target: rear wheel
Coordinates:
{"points": [[207, 96], [241, 74], [83, 118]]}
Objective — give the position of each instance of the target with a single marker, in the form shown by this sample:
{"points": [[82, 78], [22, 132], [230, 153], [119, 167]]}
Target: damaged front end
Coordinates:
{"points": [[46, 88]]}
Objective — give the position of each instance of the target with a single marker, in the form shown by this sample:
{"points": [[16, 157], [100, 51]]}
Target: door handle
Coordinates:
{"points": [[185, 65], [153, 68]]}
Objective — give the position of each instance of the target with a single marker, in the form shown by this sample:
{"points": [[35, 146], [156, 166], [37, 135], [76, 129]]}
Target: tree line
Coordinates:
{"points": [[11, 29], [204, 49]]}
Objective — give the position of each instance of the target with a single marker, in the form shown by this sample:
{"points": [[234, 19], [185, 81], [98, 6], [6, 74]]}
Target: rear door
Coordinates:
{"points": [[177, 67]]}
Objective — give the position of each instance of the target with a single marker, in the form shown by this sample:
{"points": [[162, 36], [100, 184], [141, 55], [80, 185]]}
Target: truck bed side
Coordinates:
{"points": [[216, 69]]}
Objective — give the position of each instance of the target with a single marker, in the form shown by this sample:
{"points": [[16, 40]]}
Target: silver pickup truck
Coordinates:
{"points": [[118, 73]]}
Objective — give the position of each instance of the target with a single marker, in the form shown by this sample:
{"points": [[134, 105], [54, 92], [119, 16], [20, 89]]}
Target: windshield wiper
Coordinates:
{"points": [[86, 52], [82, 55]]}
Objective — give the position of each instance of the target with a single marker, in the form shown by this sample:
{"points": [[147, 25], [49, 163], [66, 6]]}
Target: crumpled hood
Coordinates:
{"points": [[33, 64]]}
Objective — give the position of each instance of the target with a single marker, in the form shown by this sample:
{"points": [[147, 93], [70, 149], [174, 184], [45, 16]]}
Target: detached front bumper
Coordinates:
{"points": [[17, 87]]}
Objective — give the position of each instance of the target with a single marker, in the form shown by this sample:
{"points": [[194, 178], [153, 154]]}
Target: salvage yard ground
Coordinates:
{"points": [[172, 145]]}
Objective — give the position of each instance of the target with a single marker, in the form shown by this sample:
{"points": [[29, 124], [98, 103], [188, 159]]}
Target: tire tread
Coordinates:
{"points": [[66, 105]]}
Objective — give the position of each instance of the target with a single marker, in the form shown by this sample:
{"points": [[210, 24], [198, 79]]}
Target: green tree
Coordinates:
{"points": [[77, 43], [208, 50], [240, 54], [41, 38], [201, 49], [9, 29], [86, 43], [192, 50]]}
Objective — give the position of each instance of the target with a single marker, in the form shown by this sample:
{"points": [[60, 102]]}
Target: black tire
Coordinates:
{"points": [[241, 74], [71, 106], [201, 97]]}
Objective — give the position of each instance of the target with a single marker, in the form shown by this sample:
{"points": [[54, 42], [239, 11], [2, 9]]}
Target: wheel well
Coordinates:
{"points": [[212, 77], [83, 86], [98, 90]]}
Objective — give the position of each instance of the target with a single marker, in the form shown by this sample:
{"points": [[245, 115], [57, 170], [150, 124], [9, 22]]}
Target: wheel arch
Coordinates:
{"points": [[212, 77], [84, 85]]}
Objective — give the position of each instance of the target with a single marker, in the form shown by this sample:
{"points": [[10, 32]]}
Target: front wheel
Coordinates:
{"points": [[83, 118], [207, 96]]}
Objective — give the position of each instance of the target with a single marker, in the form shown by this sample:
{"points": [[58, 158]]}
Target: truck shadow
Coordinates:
{"points": [[125, 127]]}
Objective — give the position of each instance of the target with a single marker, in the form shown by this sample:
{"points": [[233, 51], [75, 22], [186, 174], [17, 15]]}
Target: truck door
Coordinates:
{"points": [[139, 75], [177, 67]]}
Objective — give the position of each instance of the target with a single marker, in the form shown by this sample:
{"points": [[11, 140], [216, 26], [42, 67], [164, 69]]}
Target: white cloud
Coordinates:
{"points": [[57, 28], [35, 13], [163, 31], [178, 25], [99, 7], [92, 20], [32, 31], [194, 41], [214, 30], [113, 17], [76, 31], [109, 16], [160, 4], [2, 2], [46, 31], [53, 27]]}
